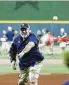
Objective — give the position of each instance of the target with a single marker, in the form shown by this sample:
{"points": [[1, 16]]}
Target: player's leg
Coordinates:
{"points": [[62, 45], [34, 73], [23, 76], [3, 48], [50, 45], [9, 45], [51, 48]]}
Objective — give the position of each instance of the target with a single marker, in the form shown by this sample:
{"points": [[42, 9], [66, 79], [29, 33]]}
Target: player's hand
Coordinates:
{"points": [[13, 65], [21, 54]]}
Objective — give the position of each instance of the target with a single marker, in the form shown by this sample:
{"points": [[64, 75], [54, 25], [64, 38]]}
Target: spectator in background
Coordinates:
{"points": [[43, 31], [39, 34], [4, 38], [4, 43], [62, 36], [10, 36], [44, 37], [62, 32], [47, 40], [15, 34]]}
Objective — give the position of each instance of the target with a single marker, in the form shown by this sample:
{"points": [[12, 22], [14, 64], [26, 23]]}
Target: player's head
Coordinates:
{"points": [[62, 30], [25, 30], [39, 32], [9, 28], [4, 32], [43, 31]]}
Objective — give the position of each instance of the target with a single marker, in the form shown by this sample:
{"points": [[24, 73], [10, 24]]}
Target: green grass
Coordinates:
{"points": [[53, 56], [56, 69], [4, 56], [47, 68], [6, 68]]}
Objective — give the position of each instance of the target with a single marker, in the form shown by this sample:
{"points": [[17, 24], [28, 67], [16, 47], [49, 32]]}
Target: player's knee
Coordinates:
{"points": [[22, 82], [34, 82]]}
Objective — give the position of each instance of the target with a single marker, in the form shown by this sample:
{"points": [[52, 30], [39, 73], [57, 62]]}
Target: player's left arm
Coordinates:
{"points": [[27, 48]]}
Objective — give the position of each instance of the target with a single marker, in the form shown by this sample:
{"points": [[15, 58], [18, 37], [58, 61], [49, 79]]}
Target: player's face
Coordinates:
{"points": [[24, 33], [62, 30]]}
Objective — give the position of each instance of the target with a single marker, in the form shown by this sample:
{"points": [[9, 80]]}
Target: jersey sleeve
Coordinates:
{"points": [[34, 39], [13, 52]]}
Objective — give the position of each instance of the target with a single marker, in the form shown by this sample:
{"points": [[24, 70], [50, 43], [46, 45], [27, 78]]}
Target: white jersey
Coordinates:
{"points": [[44, 39], [3, 39]]}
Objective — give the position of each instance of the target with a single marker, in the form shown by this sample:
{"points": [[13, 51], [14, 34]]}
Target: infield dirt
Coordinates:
{"points": [[53, 79]]}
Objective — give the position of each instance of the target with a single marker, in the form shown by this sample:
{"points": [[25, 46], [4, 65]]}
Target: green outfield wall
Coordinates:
{"points": [[34, 10]]}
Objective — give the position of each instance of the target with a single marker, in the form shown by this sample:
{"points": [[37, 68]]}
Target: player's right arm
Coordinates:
{"points": [[12, 55]]}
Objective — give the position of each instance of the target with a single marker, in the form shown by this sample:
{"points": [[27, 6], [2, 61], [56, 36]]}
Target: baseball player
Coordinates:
{"points": [[62, 36], [47, 40], [30, 58], [10, 36], [3, 39]]}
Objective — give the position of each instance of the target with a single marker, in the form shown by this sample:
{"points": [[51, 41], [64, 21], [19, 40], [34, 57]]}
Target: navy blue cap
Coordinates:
{"points": [[24, 26]]}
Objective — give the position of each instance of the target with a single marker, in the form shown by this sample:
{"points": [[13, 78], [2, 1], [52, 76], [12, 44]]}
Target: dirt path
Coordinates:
{"points": [[53, 79], [46, 61]]}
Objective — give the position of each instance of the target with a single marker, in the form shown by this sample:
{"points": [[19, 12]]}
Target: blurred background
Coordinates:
{"points": [[40, 15]]}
